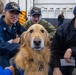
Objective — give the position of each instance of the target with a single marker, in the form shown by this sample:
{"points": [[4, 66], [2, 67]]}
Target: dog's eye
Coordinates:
{"points": [[42, 30], [31, 31]]}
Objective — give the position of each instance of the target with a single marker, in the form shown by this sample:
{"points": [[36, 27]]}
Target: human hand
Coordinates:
{"points": [[68, 54], [11, 68], [57, 71], [16, 40]]}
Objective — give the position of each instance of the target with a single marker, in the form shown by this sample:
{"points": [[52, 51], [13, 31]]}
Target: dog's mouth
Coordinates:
{"points": [[37, 48]]}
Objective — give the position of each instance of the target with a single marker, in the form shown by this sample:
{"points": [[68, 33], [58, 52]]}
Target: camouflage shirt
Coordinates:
{"points": [[49, 27]]}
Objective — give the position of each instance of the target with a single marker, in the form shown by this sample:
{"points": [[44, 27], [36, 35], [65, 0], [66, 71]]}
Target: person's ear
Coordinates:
{"points": [[30, 16], [4, 12]]}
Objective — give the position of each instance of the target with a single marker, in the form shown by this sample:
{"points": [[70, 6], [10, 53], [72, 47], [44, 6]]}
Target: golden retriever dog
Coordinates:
{"points": [[34, 54]]}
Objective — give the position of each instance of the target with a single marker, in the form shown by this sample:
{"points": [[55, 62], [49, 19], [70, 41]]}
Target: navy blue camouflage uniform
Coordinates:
{"points": [[8, 50]]}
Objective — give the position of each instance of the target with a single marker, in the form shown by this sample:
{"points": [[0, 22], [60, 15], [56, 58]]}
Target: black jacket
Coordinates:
{"points": [[61, 18], [64, 38]]}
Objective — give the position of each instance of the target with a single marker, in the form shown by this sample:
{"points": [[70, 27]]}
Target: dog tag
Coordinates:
{"points": [[41, 67]]}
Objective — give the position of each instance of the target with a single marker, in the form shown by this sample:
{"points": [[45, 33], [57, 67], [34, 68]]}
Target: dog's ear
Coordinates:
{"points": [[23, 38], [48, 41]]}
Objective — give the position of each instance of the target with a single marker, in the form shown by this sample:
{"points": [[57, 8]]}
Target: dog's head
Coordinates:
{"points": [[35, 37]]}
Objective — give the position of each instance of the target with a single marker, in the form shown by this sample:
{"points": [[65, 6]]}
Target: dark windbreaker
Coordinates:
{"points": [[64, 38]]}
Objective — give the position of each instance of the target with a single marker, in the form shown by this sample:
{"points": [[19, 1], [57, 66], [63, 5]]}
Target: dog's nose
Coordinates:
{"points": [[37, 41]]}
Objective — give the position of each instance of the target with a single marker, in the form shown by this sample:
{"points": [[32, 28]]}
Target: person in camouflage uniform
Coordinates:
{"points": [[35, 17]]}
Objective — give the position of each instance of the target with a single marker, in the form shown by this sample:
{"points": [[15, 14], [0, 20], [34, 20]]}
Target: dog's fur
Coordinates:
{"points": [[32, 59]]}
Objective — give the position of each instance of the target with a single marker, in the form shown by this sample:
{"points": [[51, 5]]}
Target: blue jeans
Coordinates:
{"points": [[50, 71], [67, 70], [60, 23]]}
